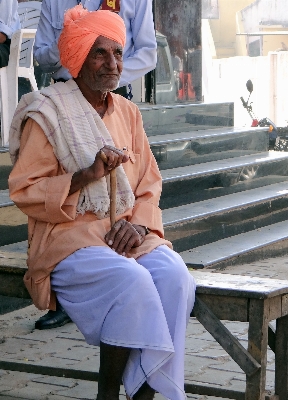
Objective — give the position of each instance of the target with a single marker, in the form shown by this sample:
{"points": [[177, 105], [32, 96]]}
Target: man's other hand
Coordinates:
{"points": [[124, 236], [3, 37]]}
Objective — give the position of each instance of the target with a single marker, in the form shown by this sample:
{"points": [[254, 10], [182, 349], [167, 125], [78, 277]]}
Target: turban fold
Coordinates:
{"points": [[80, 30]]}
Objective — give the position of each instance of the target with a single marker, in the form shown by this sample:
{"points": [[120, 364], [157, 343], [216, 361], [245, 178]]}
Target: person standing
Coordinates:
{"points": [[9, 23], [140, 52], [195, 68]]}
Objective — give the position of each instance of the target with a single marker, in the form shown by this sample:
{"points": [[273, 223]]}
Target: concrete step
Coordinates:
{"points": [[186, 185], [5, 199], [195, 147], [12, 269], [5, 167], [266, 242], [13, 223], [163, 119], [204, 181], [181, 186], [207, 221]]}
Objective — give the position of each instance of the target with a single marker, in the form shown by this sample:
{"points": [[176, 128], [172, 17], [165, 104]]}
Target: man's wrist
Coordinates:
{"points": [[147, 230], [79, 179], [142, 230]]}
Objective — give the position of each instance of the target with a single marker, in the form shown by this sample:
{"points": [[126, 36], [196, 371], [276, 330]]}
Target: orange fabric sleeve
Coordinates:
{"points": [[147, 195], [35, 184]]}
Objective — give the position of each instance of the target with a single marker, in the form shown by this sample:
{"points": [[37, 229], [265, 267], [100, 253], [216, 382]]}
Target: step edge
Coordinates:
{"points": [[218, 243], [217, 170], [230, 206], [201, 133]]}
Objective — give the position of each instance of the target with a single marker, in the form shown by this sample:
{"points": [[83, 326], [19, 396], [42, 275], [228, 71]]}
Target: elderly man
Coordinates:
{"points": [[139, 58], [9, 23], [123, 286], [140, 51]]}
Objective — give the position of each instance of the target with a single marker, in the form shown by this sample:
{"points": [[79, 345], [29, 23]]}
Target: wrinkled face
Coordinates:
{"points": [[103, 66]]}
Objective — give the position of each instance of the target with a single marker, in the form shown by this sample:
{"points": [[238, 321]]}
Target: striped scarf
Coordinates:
{"points": [[76, 133]]}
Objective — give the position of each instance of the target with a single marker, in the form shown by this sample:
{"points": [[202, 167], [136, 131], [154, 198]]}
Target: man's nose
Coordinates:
{"points": [[111, 61]]}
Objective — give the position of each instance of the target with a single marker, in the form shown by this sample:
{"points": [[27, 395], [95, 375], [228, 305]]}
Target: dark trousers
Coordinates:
{"points": [[4, 53], [122, 91]]}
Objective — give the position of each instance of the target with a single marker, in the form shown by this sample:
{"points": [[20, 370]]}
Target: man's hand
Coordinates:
{"points": [[3, 37], [124, 236], [99, 168], [115, 157]]}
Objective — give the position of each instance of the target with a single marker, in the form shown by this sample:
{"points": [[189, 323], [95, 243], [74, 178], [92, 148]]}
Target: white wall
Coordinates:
{"points": [[262, 11], [263, 14], [227, 78], [279, 87]]}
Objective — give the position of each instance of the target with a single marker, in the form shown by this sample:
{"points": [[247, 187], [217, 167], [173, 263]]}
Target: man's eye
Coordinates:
{"points": [[98, 53]]}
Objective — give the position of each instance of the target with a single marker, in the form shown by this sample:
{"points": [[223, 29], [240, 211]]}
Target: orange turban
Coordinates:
{"points": [[81, 29]]}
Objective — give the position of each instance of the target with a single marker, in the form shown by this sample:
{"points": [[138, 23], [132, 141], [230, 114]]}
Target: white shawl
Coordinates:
{"points": [[76, 133]]}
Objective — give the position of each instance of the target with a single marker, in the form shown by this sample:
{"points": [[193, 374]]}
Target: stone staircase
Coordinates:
{"points": [[224, 195], [224, 200]]}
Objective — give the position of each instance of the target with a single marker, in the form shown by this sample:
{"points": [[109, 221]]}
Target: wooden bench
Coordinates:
{"points": [[256, 301], [219, 297]]}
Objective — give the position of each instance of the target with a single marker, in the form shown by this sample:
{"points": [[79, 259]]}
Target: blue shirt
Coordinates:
{"points": [[140, 52], [9, 19]]}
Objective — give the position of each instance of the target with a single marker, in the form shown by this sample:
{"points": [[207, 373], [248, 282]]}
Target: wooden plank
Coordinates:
{"points": [[238, 285], [13, 262], [284, 305], [225, 338], [257, 347], [275, 308], [281, 358], [227, 307]]}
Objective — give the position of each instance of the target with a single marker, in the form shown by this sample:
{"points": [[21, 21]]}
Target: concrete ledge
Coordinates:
{"points": [[12, 269]]}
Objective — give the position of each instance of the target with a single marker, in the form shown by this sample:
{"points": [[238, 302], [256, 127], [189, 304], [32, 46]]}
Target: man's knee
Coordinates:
{"points": [[134, 274], [166, 266], [173, 266]]}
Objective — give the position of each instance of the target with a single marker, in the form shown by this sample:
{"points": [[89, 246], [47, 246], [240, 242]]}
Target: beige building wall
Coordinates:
{"points": [[274, 43], [224, 29]]}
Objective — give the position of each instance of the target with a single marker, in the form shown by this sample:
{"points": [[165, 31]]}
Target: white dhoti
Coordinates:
{"points": [[142, 304]]}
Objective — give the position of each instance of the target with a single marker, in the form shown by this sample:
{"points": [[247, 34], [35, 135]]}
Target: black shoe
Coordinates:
{"points": [[53, 319]]}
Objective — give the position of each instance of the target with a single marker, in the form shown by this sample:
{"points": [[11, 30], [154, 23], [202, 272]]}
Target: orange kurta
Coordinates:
{"points": [[39, 186]]}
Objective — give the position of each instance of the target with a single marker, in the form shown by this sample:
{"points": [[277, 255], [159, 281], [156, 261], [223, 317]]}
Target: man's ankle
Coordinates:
{"points": [[144, 393]]}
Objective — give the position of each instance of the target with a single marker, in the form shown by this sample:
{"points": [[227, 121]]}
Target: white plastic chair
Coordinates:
{"points": [[20, 64], [29, 15], [9, 80]]}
